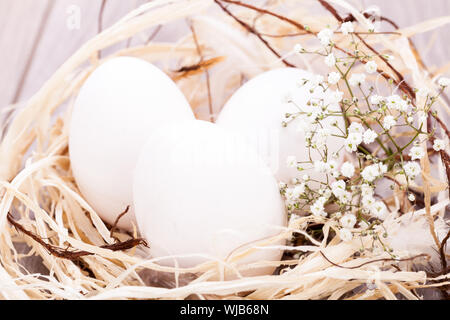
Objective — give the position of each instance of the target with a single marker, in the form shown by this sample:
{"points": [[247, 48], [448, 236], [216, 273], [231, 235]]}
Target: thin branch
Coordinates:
{"points": [[74, 255], [251, 30], [208, 84], [374, 261]]}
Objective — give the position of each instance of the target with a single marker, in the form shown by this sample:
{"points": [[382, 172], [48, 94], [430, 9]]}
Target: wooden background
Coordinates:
{"points": [[35, 39]]}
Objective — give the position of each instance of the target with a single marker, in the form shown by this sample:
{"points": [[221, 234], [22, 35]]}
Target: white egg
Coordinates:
{"points": [[257, 111], [200, 193], [118, 106]]}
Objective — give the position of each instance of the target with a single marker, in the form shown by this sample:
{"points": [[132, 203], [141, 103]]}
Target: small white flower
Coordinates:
{"points": [[370, 27], [320, 166], [298, 48], [366, 190], [369, 136], [347, 169], [325, 36], [376, 99], [336, 97], [330, 60], [348, 221], [356, 127], [357, 79], [298, 190], [416, 153], [410, 119], [367, 201], [352, 142], [347, 27], [397, 103], [316, 80], [326, 194], [389, 122], [370, 173], [378, 209], [290, 194], [411, 197], [317, 208], [338, 187], [334, 78], [305, 177], [444, 82], [371, 67], [412, 169], [345, 197], [291, 161], [282, 185], [439, 145], [423, 92], [345, 235]]}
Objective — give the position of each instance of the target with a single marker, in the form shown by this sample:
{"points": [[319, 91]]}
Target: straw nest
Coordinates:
{"points": [[44, 217]]}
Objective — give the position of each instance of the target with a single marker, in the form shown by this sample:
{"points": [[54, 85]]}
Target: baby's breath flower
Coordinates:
{"points": [[411, 197], [396, 102], [416, 153], [376, 99], [345, 197], [356, 127], [298, 190], [348, 221], [367, 201], [316, 80], [389, 122], [369, 136], [352, 142], [305, 177], [336, 96], [317, 208], [366, 190], [347, 169], [298, 48], [423, 92], [291, 161], [378, 209], [370, 173], [338, 187], [347, 27], [412, 169], [357, 79], [371, 67], [439, 145], [444, 82], [334, 78], [330, 60], [345, 235], [320, 166], [325, 36]]}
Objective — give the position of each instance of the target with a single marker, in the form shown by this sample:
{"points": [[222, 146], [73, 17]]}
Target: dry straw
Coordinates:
{"points": [[231, 42]]}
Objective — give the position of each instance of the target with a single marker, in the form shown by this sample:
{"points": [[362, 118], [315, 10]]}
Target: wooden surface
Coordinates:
{"points": [[35, 39]]}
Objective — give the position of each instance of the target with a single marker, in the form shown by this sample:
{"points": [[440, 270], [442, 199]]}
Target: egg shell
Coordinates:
{"points": [[201, 192], [118, 106], [257, 110]]}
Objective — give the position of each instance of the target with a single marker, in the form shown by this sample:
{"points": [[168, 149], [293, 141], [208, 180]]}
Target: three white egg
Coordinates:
{"points": [[198, 190]]}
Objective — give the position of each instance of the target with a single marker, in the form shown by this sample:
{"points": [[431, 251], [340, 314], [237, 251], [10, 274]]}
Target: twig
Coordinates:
{"points": [[251, 30], [373, 261], [442, 253], [208, 85], [114, 227], [74, 255], [401, 80], [100, 23]]}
